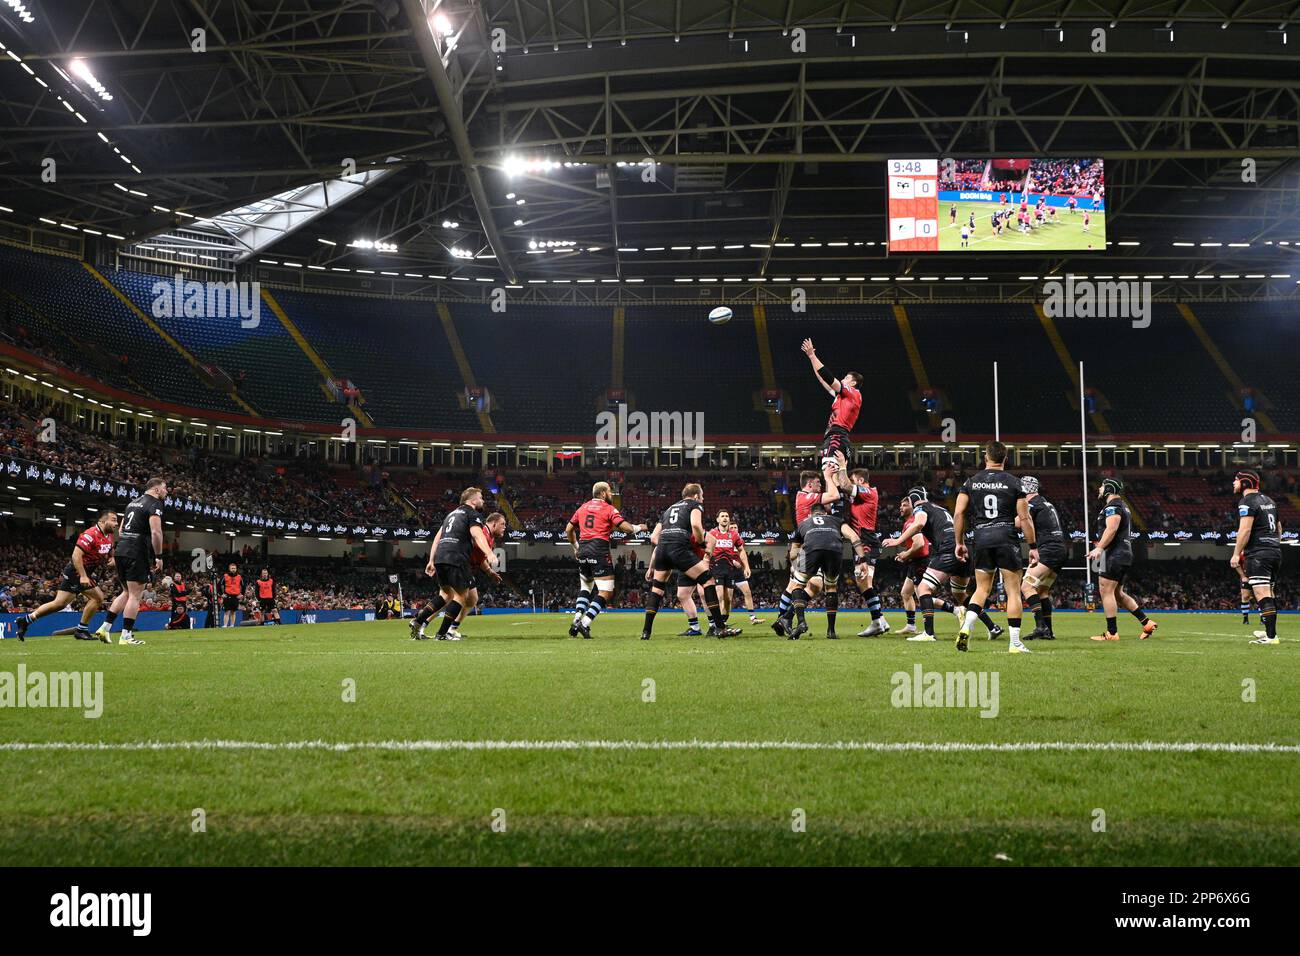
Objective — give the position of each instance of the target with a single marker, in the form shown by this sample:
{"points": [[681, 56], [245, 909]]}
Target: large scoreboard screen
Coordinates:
{"points": [[997, 205]]}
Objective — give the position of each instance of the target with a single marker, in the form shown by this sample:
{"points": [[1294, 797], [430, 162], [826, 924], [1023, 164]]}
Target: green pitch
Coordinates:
{"points": [[519, 679], [1065, 234]]}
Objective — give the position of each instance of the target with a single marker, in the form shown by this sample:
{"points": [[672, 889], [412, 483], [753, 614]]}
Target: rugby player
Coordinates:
{"points": [[588, 532], [1258, 549], [94, 547], [1114, 556]]}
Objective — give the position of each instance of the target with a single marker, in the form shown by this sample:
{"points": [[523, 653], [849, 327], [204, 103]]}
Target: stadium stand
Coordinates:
{"points": [[393, 350], [1260, 341], [396, 352], [1131, 368], [506, 350], [68, 295], [271, 373], [1035, 389]]}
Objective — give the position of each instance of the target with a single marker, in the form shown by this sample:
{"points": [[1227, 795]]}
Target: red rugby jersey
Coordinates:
{"points": [[476, 556], [863, 508], [924, 550], [803, 505], [727, 544], [845, 408], [596, 519], [96, 547]]}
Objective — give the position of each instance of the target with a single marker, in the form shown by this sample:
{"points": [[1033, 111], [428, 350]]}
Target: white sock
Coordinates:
{"points": [[1015, 634], [971, 618]]}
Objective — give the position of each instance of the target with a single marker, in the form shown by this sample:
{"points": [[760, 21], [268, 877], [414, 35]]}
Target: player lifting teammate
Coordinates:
{"points": [[137, 554], [864, 509], [94, 547], [588, 532], [820, 538], [678, 539], [1258, 549], [725, 549], [1052, 553], [449, 554], [997, 500], [1114, 555], [810, 495]]}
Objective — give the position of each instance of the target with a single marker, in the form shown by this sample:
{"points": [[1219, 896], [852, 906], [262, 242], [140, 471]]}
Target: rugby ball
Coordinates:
{"points": [[720, 315]]}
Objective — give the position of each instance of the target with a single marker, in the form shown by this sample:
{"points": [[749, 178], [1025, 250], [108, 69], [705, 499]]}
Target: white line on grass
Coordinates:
{"points": [[873, 746]]}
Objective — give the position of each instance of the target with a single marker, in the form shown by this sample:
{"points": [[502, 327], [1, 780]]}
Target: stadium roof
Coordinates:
{"points": [[609, 140]]}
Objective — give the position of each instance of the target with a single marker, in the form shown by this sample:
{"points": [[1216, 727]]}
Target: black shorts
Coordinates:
{"points": [[1053, 558], [230, 602], [726, 574], [458, 577], [915, 571], [871, 540], [824, 562], [71, 580], [1262, 567], [1114, 567], [674, 556], [594, 560], [266, 605], [1004, 556], [1113, 572], [948, 564], [837, 439], [133, 569]]}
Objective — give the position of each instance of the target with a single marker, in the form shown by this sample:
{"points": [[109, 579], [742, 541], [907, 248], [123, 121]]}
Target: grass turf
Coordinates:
{"points": [[519, 678], [1065, 234]]}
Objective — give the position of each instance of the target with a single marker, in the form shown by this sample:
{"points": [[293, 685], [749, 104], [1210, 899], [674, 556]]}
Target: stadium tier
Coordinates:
{"points": [[271, 373], [72, 299], [550, 369], [394, 351]]}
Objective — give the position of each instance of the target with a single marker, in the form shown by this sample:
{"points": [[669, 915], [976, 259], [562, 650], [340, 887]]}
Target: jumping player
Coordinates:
{"points": [[94, 547], [1052, 553], [844, 415], [678, 539], [998, 500], [1258, 549], [588, 532], [1114, 555]]}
